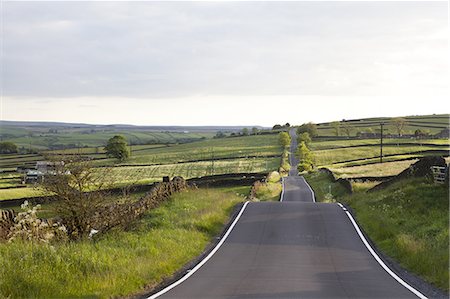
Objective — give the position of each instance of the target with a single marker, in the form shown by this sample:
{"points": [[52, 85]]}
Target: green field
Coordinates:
{"points": [[149, 163], [333, 156], [157, 245], [197, 169], [73, 138], [432, 124], [375, 170]]}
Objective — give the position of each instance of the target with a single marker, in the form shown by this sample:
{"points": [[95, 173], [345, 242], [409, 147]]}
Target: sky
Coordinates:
{"points": [[222, 63]]}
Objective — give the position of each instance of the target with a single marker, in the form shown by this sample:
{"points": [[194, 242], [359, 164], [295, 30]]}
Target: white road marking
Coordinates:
{"points": [[378, 259], [310, 189], [199, 265]]}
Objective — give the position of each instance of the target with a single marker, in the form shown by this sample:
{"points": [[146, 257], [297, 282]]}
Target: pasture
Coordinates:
{"points": [[432, 124], [149, 163], [358, 152]]}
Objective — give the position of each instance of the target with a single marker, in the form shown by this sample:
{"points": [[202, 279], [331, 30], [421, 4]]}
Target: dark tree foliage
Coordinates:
{"points": [[117, 147], [7, 147], [309, 128]]}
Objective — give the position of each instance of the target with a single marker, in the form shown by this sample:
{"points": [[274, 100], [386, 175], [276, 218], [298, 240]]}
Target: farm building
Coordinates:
{"points": [[43, 168]]}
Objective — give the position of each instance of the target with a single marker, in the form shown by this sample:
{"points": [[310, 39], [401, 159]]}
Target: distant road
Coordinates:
{"points": [[291, 249]]}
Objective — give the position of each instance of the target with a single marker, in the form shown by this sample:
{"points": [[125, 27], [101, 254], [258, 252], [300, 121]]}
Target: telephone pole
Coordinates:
{"points": [[381, 143]]}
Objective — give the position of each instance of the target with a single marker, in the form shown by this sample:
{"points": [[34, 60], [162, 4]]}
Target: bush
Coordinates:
{"points": [[284, 139], [309, 128], [28, 227], [7, 147], [304, 137], [304, 166]]}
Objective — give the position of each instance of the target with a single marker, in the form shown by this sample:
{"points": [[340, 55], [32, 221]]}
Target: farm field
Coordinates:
{"points": [[429, 123], [374, 170], [149, 163], [236, 147], [43, 140], [338, 155], [144, 174], [346, 143]]}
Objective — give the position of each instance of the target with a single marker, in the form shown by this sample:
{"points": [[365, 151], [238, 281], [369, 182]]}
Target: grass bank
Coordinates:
{"points": [[120, 262], [408, 221]]}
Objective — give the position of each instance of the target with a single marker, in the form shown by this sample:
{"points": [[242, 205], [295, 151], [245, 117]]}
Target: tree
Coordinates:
{"points": [[305, 156], [284, 139], [287, 125], [220, 134], [117, 147], [255, 131], [245, 131], [336, 127], [347, 129], [399, 123], [70, 184], [7, 147], [304, 137], [277, 127], [310, 127]]}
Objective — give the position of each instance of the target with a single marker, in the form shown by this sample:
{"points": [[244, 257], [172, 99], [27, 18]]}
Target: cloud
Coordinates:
{"points": [[174, 50]]}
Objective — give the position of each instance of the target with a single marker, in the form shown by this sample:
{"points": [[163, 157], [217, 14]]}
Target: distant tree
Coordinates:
{"points": [[284, 139], [287, 125], [399, 123], [277, 127], [310, 127], [255, 131], [245, 131], [347, 129], [117, 147], [336, 127], [7, 147], [220, 134], [304, 137], [306, 157]]}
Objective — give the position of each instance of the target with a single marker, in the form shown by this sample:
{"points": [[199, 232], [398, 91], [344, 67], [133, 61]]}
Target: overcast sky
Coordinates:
{"points": [[222, 63]]}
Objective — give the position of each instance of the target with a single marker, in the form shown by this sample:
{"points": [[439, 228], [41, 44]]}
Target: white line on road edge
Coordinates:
{"points": [[310, 189], [378, 259], [282, 189], [199, 265]]}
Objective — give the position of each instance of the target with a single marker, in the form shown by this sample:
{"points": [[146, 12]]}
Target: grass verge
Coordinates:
{"points": [[408, 221], [120, 262]]}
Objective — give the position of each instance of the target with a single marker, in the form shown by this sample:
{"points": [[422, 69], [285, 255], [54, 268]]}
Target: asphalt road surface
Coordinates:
{"points": [[291, 249]]}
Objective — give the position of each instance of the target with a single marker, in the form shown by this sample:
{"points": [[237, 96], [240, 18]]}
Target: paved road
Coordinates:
{"points": [[291, 249]]}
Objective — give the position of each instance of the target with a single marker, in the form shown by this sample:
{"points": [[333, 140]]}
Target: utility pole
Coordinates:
{"points": [[381, 143]]}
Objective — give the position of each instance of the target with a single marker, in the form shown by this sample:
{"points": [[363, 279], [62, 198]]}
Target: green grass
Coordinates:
{"points": [[408, 221], [121, 262], [332, 156], [332, 144], [437, 123], [196, 169], [21, 193], [376, 170], [81, 138], [237, 147], [142, 166]]}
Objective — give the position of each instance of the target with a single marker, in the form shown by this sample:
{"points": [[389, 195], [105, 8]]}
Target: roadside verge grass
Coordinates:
{"points": [[408, 221], [121, 262]]}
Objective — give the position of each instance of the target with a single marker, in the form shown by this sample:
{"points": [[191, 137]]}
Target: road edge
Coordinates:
{"points": [[189, 269]]}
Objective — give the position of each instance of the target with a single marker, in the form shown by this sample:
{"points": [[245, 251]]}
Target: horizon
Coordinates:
{"points": [[222, 63], [219, 126]]}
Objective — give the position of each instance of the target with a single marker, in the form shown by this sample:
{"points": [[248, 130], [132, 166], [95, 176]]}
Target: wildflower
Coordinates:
{"points": [[92, 233]]}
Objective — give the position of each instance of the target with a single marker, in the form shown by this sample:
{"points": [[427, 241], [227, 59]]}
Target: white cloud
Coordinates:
{"points": [[153, 53]]}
